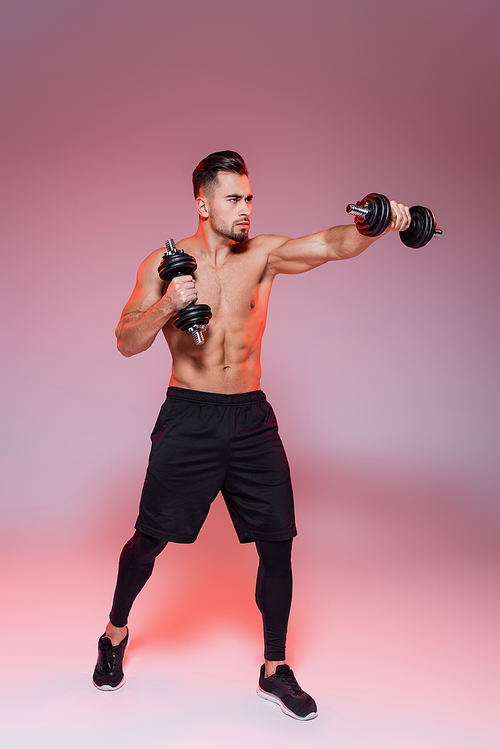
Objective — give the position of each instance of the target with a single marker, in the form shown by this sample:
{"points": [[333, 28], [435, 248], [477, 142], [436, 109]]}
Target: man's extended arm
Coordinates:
{"points": [[149, 309], [337, 243]]}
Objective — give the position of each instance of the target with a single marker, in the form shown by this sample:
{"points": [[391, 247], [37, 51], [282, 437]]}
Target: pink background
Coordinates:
{"points": [[383, 371]]}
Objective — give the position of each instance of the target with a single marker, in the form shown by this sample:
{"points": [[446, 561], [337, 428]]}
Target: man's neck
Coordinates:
{"points": [[214, 247]]}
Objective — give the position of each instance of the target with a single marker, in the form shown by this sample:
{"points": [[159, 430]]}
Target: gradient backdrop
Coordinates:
{"points": [[383, 370]]}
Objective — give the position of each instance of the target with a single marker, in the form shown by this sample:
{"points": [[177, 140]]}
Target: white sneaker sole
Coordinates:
{"points": [[284, 708], [108, 688]]}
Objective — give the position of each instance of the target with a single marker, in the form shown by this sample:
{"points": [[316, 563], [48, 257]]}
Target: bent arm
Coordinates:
{"points": [[337, 243], [149, 309]]}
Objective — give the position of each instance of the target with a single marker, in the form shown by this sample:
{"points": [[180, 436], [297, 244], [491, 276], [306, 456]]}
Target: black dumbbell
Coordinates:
{"points": [[373, 216], [193, 318]]}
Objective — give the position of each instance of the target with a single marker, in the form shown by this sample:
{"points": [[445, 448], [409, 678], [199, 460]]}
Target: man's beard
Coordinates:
{"points": [[230, 231]]}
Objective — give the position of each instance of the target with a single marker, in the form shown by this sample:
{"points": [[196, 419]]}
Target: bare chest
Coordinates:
{"points": [[235, 289]]}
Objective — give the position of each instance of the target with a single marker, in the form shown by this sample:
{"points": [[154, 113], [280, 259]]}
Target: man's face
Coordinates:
{"points": [[229, 206]]}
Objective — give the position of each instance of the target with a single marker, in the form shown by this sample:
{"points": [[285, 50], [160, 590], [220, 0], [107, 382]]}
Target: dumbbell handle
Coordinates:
{"points": [[357, 210], [363, 211], [196, 332]]}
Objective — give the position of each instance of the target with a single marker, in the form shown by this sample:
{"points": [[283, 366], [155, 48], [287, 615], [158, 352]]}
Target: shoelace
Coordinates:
{"points": [[109, 657], [291, 682]]}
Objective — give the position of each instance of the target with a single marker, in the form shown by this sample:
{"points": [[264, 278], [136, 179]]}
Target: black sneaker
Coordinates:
{"points": [[108, 674], [283, 688]]}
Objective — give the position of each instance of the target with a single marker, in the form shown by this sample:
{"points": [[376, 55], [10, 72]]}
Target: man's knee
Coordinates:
{"points": [[144, 549], [275, 557]]}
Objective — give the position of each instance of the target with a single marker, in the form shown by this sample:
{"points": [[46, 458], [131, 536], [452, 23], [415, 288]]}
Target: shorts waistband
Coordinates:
{"points": [[220, 399]]}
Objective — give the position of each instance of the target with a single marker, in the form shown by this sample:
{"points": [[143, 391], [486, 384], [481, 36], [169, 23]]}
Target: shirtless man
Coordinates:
{"points": [[216, 431]]}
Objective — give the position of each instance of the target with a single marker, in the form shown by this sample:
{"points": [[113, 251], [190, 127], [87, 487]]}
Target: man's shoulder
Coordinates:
{"points": [[152, 261], [265, 243], [270, 241], [261, 248]]}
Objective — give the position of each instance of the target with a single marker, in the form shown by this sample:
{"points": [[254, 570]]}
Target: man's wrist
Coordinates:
{"points": [[166, 307]]}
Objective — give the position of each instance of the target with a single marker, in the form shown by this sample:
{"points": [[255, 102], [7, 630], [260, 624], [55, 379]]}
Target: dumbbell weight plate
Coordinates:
{"points": [[193, 314], [385, 215], [180, 264], [379, 218], [421, 229]]}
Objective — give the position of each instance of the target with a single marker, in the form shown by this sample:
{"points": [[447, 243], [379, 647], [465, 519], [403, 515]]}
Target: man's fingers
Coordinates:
{"points": [[183, 281], [400, 216], [182, 291]]}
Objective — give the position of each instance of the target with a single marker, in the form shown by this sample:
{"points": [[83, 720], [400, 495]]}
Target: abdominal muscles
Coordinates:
{"points": [[228, 361]]}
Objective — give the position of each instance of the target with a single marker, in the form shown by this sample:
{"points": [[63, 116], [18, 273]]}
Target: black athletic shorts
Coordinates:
{"points": [[203, 443]]}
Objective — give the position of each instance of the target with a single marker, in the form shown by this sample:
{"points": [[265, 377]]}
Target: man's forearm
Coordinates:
{"points": [[136, 331], [346, 241]]}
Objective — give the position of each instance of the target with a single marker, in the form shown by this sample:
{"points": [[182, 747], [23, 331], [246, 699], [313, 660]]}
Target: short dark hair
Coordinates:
{"points": [[205, 174]]}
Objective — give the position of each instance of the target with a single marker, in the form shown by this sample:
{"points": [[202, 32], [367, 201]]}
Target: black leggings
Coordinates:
{"points": [[273, 592]]}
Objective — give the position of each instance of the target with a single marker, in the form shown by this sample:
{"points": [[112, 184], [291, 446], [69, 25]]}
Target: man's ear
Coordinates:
{"points": [[201, 206]]}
